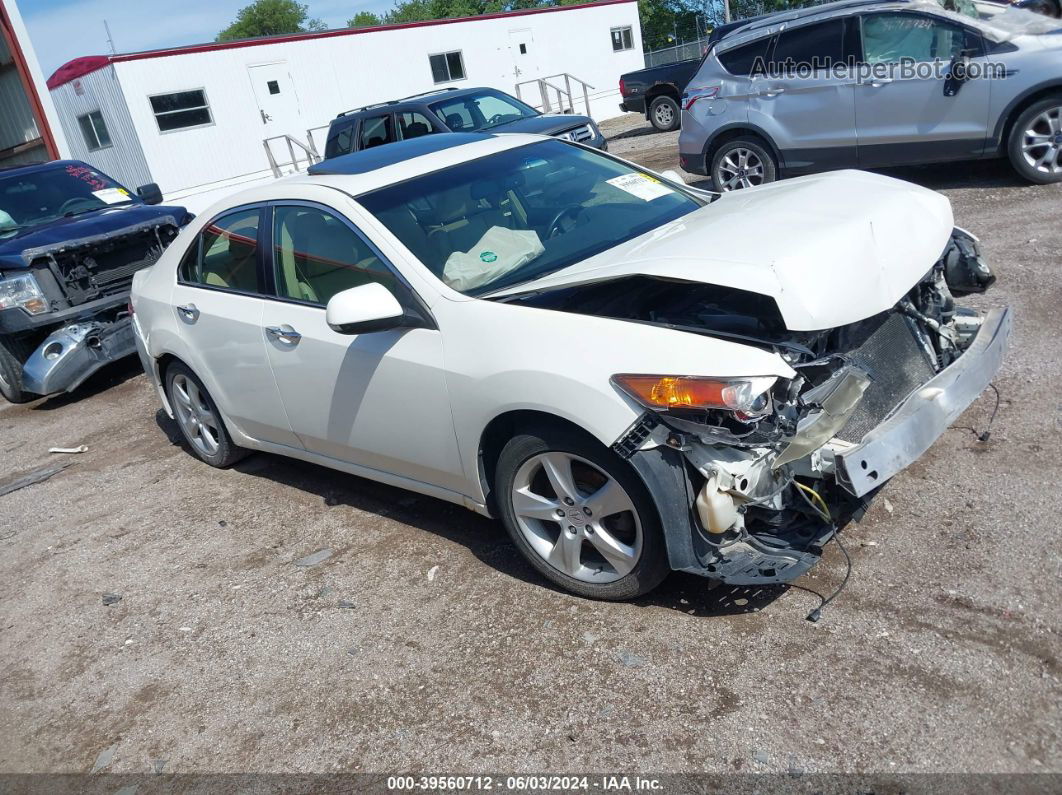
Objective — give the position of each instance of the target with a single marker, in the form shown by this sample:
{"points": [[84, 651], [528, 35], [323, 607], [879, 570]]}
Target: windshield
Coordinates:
{"points": [[37, 197], [512, 217], [481, 111]]}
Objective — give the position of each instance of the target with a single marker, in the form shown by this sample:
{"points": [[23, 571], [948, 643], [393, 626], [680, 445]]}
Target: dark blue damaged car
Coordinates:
{"points": [[71, 239]]}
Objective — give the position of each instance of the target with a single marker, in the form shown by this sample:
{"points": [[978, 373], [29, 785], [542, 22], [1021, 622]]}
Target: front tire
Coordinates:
{"points": [[12, 357], [742, 163], [198, 418], [664, 114], [580, 515], [1035, 144]]}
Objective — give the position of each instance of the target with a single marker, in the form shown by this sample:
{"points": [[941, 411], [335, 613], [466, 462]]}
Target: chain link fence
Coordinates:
{"points": [[683, 52]]}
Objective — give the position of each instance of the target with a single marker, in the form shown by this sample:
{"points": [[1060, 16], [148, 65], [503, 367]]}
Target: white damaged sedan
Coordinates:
{"points": [[633, 376]]}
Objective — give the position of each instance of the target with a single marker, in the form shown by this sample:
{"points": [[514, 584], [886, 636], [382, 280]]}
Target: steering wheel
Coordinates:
{"points": [[556, 226], [69, 204], [497, 117]]}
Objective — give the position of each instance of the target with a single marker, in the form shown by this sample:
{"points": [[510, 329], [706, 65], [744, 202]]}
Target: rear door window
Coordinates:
{"points": [[819, 46], [376, 131], [412, 124], [225, 254]]}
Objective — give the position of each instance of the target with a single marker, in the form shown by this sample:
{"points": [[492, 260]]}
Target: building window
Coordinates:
{"points": [[94, 130], [447, 66], [622, 39], [181, 110]]}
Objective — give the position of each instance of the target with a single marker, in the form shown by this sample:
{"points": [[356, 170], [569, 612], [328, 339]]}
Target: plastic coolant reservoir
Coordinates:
{"points": [[715, 508]]}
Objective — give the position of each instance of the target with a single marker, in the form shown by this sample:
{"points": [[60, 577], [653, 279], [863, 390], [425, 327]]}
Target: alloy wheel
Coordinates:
{"points": [[576, 517], [1041, 143], [665, 115], [200, 424], [740, 168]]}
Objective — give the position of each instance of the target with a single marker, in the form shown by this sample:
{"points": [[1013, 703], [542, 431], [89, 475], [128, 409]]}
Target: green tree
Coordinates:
{"points": [[269, 18], [363, 19]]}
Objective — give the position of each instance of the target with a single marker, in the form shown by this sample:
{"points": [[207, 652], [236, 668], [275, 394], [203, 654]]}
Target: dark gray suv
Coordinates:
{"points": [[452, 110], [871, 84]]}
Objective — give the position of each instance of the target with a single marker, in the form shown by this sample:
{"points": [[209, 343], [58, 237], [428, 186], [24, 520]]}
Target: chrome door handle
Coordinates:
{"points": [[190, 312], [774, 92], [284, 333], [878, 82]]}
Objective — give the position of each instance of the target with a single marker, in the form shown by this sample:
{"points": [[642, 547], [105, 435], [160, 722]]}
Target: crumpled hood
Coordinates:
{"points": [[546, 124], [16, 252], [830, 249]]}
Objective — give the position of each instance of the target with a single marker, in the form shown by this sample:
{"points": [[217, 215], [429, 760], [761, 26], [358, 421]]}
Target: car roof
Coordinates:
{"points": [[371, 169], [771, 23], [415, 100], [368, 160]]}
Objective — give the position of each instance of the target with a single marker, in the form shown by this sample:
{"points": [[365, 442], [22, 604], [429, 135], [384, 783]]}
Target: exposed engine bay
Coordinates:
{"points": [[776, 480], [85, 283]]}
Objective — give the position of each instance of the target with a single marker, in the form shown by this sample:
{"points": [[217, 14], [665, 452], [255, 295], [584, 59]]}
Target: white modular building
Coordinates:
{"points": [[194, 119]]}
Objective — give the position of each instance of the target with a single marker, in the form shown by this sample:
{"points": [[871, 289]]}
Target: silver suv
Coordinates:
{"points": [[870, 84]]}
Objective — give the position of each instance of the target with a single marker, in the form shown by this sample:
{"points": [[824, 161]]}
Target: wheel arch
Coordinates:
{"points": [[503, 428], [738, 130], [661, 90], [163, 362], [1017, 106]]}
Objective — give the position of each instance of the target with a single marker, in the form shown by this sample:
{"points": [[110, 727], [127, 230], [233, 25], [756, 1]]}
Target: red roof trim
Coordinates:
{"points": [[79, 67], [7, 31]]}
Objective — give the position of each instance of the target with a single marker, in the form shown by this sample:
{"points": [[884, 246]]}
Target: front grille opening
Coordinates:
{"points": [[897, 363]]}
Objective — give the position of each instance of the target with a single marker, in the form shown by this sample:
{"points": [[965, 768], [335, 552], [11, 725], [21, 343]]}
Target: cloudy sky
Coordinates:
{"points": [[64, 29]]}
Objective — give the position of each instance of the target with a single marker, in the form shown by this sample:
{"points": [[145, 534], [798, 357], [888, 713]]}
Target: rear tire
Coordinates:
{"points": [[201, 424], [597, 533], [742, 163], [1035, 143], [12, 357], [664, 114]]}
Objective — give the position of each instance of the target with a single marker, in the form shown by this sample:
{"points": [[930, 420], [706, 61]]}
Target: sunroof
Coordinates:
{"points": [[391, 154]]}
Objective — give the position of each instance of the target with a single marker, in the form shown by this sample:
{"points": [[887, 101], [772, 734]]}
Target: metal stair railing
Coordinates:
{"points": [[305, 153], [548, 90]]}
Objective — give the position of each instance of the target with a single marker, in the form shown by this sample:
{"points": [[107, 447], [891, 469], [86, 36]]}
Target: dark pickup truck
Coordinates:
{"points": [[71, 239], [656, 91]]}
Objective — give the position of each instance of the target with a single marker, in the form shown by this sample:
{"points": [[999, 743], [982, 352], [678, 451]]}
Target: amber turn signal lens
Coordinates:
{"points": [[668, 391]]}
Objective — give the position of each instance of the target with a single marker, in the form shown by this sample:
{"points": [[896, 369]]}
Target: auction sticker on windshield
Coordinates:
{"points": [[641, 185], [112, 195]]}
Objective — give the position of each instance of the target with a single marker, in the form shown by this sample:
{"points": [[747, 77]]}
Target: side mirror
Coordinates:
{"points": [[674, 176], [150, 193], [364, 309]]}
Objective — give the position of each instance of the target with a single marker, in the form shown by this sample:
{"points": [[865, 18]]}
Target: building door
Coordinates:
{"points": [[278, 105], [525, 60]]}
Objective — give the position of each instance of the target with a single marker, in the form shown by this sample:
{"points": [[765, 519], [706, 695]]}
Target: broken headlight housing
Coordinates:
{"points": [[21, 290], [747, 399]]}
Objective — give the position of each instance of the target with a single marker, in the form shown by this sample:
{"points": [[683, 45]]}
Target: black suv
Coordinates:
{"points": [[451, 110]]}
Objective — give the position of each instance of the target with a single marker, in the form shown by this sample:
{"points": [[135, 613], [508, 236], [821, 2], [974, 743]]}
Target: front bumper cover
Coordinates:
{"points": [[71, 354], [925, 414]]}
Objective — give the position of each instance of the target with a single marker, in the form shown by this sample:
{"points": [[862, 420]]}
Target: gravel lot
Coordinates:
{"points": [[424, 643]]}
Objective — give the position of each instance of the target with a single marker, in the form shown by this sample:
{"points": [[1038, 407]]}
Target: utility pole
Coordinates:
{"points": [[110, 38]]}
